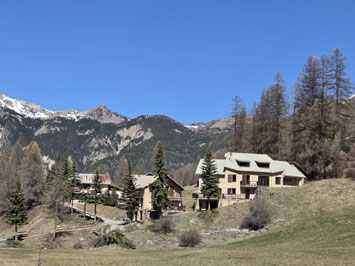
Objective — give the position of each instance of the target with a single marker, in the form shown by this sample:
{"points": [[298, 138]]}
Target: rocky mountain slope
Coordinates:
{"points": [[100, 137]]}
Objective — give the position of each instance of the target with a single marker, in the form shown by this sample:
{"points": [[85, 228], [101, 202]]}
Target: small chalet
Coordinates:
{"points": [[240, 176], [107, 185], [144, 183]]}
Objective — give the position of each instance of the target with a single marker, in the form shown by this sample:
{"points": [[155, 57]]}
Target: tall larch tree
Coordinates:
{"points": [[160, 199], [209, 187], [237, 141], [341, 89], [120, 170], [75, 184], [16, 211], [308, 89], [57, 190], [278, 110], [10, 165], [33, 175]]}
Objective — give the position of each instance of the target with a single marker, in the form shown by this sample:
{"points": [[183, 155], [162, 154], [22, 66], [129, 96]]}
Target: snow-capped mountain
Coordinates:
{"points": [[34, 111], [101, 138]]}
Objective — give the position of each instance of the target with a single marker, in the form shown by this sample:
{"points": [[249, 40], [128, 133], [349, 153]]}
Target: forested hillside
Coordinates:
{"points": [[315, 130]]}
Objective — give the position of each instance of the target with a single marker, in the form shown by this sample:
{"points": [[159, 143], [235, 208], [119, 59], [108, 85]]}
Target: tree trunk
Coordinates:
{"points": [[85, 208], [16, 237], [208, 204], [95, 211], [72, 206], [55, 220]]}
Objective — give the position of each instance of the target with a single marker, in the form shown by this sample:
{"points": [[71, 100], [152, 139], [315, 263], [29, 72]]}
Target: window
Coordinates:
{"points": [[263, 165], [243, 164], [232, 178], [278, 180], [263, 181], [290, 181], [245, 180], [231, 191]]}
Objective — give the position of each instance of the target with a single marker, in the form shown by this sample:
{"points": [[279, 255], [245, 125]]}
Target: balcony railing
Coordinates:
{"points": [[201, 196], [175, 198], [248, 184], [233, 196]]}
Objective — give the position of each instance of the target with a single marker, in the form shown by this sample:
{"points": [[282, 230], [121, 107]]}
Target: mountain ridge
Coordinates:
{"points": [[102, 138]]}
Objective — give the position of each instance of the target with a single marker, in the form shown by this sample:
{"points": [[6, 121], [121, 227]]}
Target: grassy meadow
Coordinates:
{"points": [[312, 225]]}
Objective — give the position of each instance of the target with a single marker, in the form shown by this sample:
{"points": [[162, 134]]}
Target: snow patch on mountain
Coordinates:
{"points": [[99, 113], [21, 107], [192, 127]]}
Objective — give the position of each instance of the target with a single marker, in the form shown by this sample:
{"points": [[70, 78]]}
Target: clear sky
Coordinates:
{"points": [[183, 59]]}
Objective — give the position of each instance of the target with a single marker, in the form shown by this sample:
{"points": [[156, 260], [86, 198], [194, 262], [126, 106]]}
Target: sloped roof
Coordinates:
{"points": [[88, 178], [143, 181], [232, 159], [289, 170], [219, 163]]}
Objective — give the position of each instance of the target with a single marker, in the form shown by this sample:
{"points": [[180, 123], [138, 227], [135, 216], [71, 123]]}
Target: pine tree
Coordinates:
{"points": [[132, 194], [160, 199], [209, 187], [95, 196], [33, 175], [85, 198], [16, 212], [114, 198]]}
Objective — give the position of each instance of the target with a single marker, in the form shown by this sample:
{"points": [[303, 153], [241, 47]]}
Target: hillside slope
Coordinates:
{"points": [[312, 225]]}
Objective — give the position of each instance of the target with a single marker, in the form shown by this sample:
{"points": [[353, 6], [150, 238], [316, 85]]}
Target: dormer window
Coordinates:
{"points": [[263, 164], [243, 163]]}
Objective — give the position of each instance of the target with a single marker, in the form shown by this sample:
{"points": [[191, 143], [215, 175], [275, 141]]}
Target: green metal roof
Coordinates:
{"points": [[231, 162]]}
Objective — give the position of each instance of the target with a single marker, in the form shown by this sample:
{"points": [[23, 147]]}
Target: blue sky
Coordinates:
{"points": [[183, 59]]}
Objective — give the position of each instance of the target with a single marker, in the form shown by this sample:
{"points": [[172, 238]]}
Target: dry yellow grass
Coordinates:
{"points": [[312, 225], [108, 212]]}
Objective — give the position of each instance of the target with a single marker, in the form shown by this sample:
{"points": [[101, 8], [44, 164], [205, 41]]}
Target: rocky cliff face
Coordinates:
{"points": [[100, 137]]}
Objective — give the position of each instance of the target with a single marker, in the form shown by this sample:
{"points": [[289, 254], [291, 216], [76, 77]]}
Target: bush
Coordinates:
{"points": [[259, 216], [78, 245], [190, 238], [164, 225], [14, 244], [208, 217], [349, 173], [115, 237]]}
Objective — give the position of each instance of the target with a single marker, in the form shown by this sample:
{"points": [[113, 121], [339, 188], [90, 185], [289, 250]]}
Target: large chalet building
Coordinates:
{"points": [[241, 174]]}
